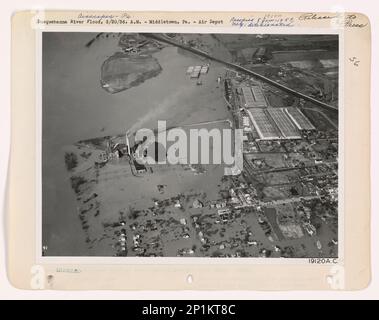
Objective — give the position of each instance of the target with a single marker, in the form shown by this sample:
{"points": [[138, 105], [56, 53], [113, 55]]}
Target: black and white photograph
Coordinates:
{"points": [[190, 145], [181, 153]]}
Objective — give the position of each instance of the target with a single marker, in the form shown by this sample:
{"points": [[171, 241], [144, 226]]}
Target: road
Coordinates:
{"points": [[282, 169], [243, 70], [287, 200]]}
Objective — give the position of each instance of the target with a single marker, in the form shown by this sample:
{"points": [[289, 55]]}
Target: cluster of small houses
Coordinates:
{"points": [[250, 146], [113, 151], [119, 150], [176, 202], [122, 242], [326, 187], [240, 196]]}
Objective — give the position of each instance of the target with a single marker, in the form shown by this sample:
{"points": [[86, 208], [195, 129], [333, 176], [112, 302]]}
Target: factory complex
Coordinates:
{"points": [[299, 119], [278, 123], [284, 123], [195, 71], [253, 97]]}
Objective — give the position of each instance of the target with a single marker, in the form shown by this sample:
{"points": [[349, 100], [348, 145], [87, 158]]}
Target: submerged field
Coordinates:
{"points": [[98, 202], [76, 107], [121, 72]]}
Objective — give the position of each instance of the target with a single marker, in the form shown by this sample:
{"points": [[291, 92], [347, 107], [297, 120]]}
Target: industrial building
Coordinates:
{"points": [[248, 97], [195, 74], [299, 119], [263, 124], [140, 168], [259, 97], [190, 69], [194, 71], [254, 97], [204, 69], [284, 123]]}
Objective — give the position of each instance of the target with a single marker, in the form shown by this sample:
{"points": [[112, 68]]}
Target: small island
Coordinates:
{"points": [[131, 66]]}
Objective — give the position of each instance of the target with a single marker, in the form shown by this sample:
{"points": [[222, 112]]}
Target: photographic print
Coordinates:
{"points": [[202, 145]]}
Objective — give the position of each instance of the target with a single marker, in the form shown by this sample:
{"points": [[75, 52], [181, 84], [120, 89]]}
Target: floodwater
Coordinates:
{"points": [[75, 107]]}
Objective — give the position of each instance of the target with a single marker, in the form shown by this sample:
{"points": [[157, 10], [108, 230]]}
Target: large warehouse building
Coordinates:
{"points": [[254, 97], [299, 119], [259, 97], [263, 124], [284, 123], [248, 97]]}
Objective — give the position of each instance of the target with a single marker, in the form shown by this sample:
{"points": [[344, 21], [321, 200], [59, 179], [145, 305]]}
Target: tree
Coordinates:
{"points": [[71, 160]]}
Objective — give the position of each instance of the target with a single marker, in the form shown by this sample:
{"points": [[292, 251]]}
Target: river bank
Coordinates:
{"points": [[75, 107]]}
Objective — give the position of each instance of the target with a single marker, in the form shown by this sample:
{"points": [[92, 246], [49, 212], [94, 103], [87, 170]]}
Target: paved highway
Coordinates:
{"points": [[288, 200]]}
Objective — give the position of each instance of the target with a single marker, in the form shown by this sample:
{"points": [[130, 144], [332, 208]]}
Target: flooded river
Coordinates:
{"points": [[75, 107]]}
